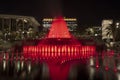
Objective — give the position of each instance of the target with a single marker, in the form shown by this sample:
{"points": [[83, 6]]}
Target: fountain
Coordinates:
{"points": [[59, 48]]}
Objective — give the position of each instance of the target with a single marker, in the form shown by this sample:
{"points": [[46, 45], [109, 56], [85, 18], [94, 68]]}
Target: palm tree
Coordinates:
{"points": [[109, 34]]}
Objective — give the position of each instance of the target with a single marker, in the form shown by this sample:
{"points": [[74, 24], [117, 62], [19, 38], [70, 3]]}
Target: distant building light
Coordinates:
{"points": [[25, 20], [66, 19], [117, 26], [96, 34], [100, 29], [117, 23]]}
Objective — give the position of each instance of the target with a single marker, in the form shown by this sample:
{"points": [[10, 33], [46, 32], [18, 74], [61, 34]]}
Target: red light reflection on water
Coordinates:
{"points": [[58, 71]]}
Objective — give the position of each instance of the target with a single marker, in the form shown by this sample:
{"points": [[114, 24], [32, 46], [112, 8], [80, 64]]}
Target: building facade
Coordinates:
{"points": [[17, 27], [71, 23]]}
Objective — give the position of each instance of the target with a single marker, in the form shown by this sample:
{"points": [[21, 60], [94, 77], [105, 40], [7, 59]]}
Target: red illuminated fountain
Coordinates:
{"points": [[57, 48]]}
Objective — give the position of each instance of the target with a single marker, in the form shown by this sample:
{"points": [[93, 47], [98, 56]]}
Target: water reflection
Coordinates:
{"points": [[91, 73], [91, 61], [104, 67], [4, 65], [29, 67], [118, 75]]}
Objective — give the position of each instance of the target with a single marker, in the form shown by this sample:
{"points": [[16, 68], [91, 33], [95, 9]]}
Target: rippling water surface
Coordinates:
{"points": [[103, 66]]}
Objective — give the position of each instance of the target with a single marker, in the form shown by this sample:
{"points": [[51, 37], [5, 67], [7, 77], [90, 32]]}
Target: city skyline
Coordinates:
{"points": [[87, 12]]}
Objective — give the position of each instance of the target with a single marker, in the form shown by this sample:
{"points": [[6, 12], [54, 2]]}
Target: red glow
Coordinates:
{"points": [[57, 72], [54, 51], [115, 69], [97, 66], [59, 47], [106, 68], [59, 29]]}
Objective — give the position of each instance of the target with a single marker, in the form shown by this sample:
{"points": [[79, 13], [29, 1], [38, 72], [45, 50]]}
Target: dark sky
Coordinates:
{"points": [[88, 12]]}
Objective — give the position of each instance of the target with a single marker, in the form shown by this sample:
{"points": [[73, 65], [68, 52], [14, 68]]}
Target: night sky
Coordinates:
{"points": [[88, 12]]}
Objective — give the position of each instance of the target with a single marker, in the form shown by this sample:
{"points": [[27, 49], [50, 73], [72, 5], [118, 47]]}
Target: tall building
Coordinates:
{"points": [[71, 23]]}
